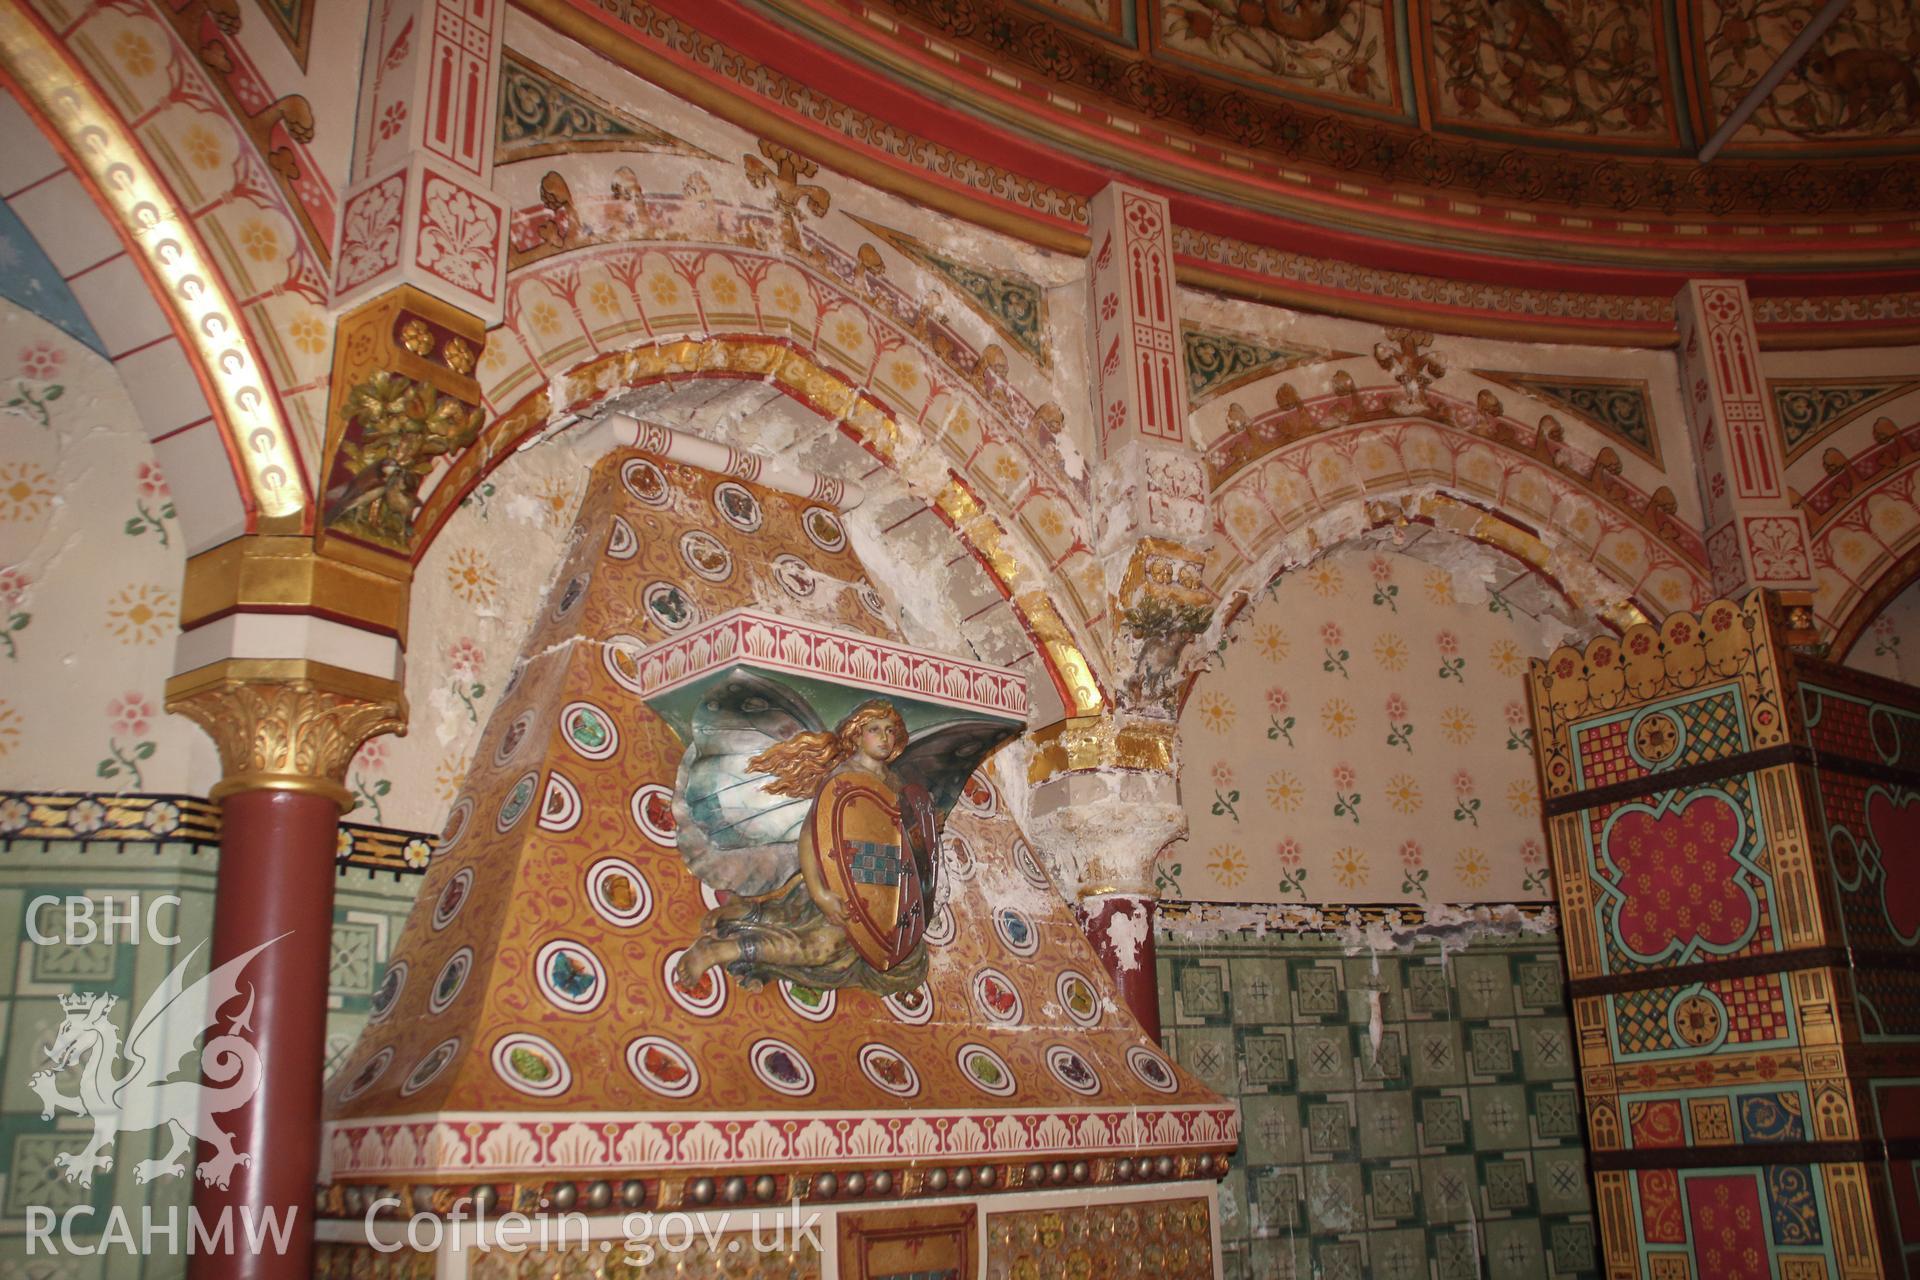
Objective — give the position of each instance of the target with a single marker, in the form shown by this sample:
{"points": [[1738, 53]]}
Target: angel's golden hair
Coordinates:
{"points": [[801, 763]]}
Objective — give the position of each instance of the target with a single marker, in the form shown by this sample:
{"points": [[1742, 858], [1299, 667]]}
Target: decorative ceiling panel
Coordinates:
{"points": [[1338, 51]]}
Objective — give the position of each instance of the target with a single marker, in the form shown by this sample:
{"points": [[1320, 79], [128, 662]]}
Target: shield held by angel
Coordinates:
{"points": [[823, 842]]}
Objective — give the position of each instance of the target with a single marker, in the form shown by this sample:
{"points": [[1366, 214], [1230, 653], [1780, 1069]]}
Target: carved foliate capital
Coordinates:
{"points": [[287, 725]]}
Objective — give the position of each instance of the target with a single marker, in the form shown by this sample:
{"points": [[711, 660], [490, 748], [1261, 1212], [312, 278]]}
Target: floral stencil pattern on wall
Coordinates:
{"points": [[475, 589], [1364, 738], [90, 572], [1890, 646]]}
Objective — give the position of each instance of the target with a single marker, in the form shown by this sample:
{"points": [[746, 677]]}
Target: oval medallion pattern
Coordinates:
{"points": [[531, 1064]]}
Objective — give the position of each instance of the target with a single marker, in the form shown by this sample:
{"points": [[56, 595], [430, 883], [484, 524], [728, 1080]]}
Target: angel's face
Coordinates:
{"points": [[879, 740]]}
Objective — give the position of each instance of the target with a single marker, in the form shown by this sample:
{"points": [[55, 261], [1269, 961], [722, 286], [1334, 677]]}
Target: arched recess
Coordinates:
{"points": [[1865, 521], [607, 320], [1609, 549]]}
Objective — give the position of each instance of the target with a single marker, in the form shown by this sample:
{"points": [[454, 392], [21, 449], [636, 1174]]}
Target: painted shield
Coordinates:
{"points": [[869, 861]]}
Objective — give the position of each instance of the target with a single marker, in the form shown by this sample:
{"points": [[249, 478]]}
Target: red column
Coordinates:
{"points": [[1120, 926], [275, 886]]}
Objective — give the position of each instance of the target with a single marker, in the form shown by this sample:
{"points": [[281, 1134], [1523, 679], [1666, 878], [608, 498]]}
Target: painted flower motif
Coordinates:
{"points": [[140, 613], [1330, 634], [161, 818], [1440, 587], [41, 361], [1350, 867], [343, 845], [24, 491], [1326, 580], [393, 120], [13, 590], [135, 53], [416, 853], [131, 715], [726, 290], [457, 237], [14, 815], [464, 657], [372, 755], [1462, 783], [1228, 864], [1337, 717], [1456, 725], [1403, 794], [1271, 641], [1523, 798], [449, 774], [1277, 701], [1287, 851], [1516, 715], [1216, 711], [1531, 854], [1448, 644], [1396, 707], [309, 333], [472, 577], [544, 318], [202, 147], [1506, 658], [847, 334], [1284, 792], [602, 298], [1472, 867], [1344, 776], [86, 817], [1390, 651], [1410, 854], [1222, 774], [259, 241], [9, 728], [1381, 568], [786, 298], [153, 482]]}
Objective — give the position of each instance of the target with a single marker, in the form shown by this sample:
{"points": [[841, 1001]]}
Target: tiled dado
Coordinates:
{"points": [[1736, 840], [1403, 1116]]}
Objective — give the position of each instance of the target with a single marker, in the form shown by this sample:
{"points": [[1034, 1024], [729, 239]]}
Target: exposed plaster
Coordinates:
{"points": [[1453, 928]]}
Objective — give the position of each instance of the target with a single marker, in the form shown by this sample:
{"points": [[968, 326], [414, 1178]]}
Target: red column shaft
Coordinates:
{"points": [[1120, 926], [276, 878]]}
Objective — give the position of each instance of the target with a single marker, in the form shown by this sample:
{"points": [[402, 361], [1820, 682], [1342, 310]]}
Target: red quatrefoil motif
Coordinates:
{"points": [[1679, 881], [1896, 834]]}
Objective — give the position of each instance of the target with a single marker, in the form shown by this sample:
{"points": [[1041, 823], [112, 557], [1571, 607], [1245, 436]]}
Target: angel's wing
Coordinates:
{"points": [[945, 756], [733, 833], [169, 1025]]}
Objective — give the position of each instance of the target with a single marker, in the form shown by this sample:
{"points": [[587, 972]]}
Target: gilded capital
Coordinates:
{"points": [[287, 724]]}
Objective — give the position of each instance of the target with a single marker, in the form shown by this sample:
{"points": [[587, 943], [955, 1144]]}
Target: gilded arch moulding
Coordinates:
{"points": [[186, 281], [859, 416]]}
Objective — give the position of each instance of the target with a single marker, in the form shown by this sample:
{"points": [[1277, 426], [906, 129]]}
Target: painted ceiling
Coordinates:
{"points": [[1561, 130]]}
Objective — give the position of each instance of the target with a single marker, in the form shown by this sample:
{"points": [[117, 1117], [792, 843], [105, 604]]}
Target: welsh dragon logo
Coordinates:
{"points": [[152, 1092]]}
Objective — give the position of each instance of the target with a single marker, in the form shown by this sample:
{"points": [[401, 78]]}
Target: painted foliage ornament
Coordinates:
{"points": [[826, 840]]}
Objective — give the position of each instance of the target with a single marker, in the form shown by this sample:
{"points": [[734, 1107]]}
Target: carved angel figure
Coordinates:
{"points": [[826, 840]]}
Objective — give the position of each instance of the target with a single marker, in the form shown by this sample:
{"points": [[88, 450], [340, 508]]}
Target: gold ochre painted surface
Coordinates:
{"points": [[531, 976]]}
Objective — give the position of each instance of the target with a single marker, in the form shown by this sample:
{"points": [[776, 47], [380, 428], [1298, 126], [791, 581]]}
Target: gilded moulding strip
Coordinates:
{"points": [[205, 318]]}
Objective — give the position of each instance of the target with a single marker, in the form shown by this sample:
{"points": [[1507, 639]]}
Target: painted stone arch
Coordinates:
{"points": [[1277, 499], [1866, 538], [611, 319], [107, 299], [235, 420], [567, 309], [755, 397]]}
